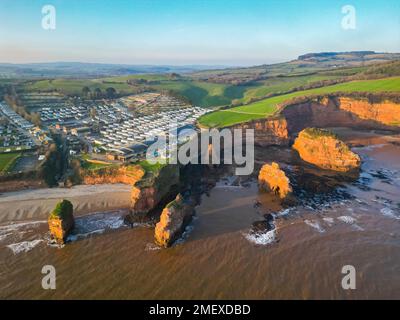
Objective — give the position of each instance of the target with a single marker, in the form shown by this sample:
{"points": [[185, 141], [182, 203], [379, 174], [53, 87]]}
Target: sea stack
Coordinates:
{"points": [[323, 149], [61, 221], [173, 220], [272, 178]]}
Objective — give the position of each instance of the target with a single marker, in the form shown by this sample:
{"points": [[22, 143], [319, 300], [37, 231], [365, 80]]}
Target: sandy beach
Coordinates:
{"points": [[37, 204]]}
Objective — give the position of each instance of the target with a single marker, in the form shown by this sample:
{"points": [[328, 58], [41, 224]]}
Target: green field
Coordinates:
{"points": [[281, 85], [203, 94], [7, 161], [199, 93], [208, 94], [268, 106], [216, 88]]}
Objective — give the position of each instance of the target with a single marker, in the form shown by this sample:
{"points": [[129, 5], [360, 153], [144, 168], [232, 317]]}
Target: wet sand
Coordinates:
{"points": [[38, 203]]}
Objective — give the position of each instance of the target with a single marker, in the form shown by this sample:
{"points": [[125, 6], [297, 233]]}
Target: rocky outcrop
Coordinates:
{"points": [[323, 149], [272, 178], [267, 132], [129, 174], [153, 188], [61, 221], [173, 220]]}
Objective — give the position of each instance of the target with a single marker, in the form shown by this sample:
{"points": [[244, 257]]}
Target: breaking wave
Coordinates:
{"points": [[315, 225], [23, 246], [261, 238]]}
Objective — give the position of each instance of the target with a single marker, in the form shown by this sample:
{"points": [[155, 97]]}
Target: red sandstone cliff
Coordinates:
{"points": [[153, 188], [342, 111], [173, 220], [271, 131]]}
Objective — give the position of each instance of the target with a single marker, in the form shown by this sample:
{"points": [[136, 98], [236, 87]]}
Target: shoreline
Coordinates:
{"points": [[35, 204]]}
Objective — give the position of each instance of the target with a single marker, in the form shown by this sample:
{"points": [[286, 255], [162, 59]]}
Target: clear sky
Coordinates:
{"points": [[225, 32]]}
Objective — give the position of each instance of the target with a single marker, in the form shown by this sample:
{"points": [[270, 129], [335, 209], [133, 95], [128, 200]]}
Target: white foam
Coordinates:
{"points": [[15, 226], [389, 213], [5, 235], [370, 147], [347, 219], [283, 212], [189, 228], [152, 247], [75, 237], [315, 224], [351, 221], [329, 221], [261, 238], [23, 246]]}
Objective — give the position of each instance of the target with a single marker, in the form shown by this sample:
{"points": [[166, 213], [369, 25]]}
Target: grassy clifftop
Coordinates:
{"points": [[267, 107]]}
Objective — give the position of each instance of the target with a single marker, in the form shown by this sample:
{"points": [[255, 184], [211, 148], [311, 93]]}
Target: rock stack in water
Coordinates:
{"points": [[173, 220], [323, 149], [61, 221], [272, 178]]}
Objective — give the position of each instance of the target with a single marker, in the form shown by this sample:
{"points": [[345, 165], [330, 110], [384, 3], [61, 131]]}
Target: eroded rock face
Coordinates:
{"points": [[151, 190], [61, 221], [268, 131], [341, 111], [385, 112], [173, 220], [323, 149], [272, 178]]}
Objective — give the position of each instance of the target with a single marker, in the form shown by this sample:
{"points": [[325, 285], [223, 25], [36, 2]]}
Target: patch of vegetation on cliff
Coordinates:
{"points": [[91, 164], [63, 210], [315, 133], [150, 167], [158, 175], [111, 170], [177, 204]]}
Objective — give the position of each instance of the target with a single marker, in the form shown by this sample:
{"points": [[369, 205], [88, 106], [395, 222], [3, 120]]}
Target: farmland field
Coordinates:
{"points": [[199, 93], [7, 160], [268, 106], [74, 86]]}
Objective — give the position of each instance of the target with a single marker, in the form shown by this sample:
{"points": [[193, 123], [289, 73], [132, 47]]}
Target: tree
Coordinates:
{"points": [[110, 93], [3, 121], [98, 94], [51, 169], [86, 92], [35, 119], [93, 113]]}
